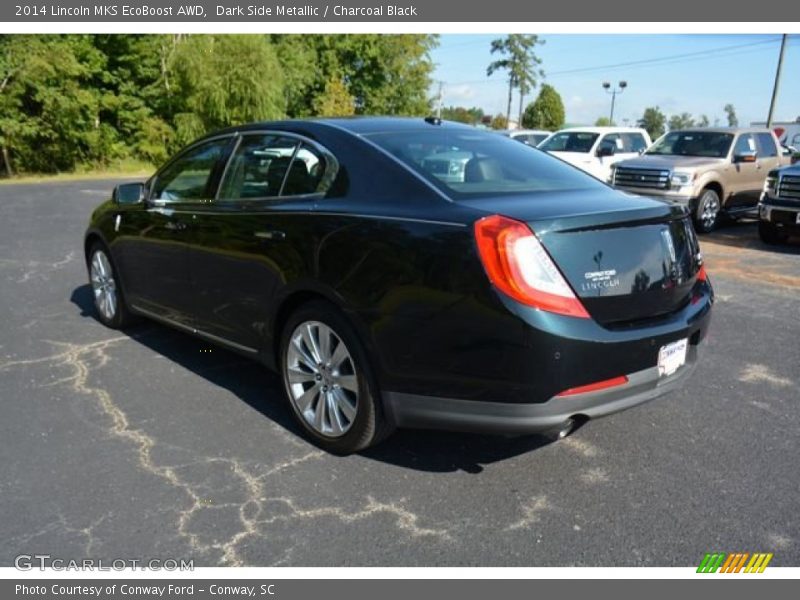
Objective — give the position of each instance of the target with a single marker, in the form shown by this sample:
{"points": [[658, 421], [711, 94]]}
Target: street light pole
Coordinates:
{"points": [[614, 92]]}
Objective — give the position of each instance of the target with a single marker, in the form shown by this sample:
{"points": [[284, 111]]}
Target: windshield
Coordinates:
{"points": [[467, 163], [570, 141], [693, 143]]}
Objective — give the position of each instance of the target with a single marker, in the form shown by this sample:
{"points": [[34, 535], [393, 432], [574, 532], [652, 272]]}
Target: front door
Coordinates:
{"points": [[154, 239]]}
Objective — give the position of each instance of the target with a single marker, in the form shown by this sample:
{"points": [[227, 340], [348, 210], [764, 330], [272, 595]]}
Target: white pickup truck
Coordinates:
{"points": [[595, 149]]}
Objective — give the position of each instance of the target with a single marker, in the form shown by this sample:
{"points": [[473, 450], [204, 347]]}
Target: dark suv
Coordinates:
{"points": [[779, 209]]}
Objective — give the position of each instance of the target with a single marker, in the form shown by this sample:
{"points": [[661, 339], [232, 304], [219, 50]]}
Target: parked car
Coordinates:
{"points": [[595, 149], [713, 171], [447, 165], [526, 297], [779, 209], [532, 137]]}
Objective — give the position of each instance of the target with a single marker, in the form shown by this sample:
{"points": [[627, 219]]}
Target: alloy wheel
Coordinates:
{"points": [[710, 210], [103, 285], [321, 379]]}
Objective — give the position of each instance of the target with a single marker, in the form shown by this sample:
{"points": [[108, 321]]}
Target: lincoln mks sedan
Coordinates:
{"points": [[497, 290]]}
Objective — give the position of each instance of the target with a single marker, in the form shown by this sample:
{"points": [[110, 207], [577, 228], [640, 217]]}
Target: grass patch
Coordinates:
{"points": [[123, 169]]}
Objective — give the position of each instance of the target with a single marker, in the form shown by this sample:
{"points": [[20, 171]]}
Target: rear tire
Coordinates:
{"points": [[769, 234], [109, 301], [329, 382], [707, 213]]}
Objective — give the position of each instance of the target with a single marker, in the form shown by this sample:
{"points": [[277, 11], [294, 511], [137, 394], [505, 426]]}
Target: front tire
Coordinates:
{"points": [[109, 301], [769, 234], [707, 212], [329, 382]]}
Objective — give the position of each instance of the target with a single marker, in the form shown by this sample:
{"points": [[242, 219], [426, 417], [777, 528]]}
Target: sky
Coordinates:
{"points": [[693, 73]]}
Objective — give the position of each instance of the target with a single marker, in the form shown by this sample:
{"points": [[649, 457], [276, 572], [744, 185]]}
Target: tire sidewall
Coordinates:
{"points": [[704, 198], [362, 432], [119, 315]]}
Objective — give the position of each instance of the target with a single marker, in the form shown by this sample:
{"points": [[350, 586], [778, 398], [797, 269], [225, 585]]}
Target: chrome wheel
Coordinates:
{"points": [[710, 210], [321, 379], [103, 285]]}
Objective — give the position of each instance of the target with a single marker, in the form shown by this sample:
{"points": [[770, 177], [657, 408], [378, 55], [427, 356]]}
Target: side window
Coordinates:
{"points": [[766, 145], [615, 139], [258, 167], [744, 144], [186, 178], [306, 173], [633, 142]]}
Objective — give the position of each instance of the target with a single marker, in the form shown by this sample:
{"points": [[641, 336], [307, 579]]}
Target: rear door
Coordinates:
{"points": [[153, 244], [768, 158], [745, 178], [256, 229]]}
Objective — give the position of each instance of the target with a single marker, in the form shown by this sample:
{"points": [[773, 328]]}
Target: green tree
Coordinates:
{"points": [[730, 112], [499, 122], [335, 101], [221, 80], [49, 109], [520, 62], [470, 116], [703, 121], [546, 112], [681, 121], [653, 121], [603, 122]]}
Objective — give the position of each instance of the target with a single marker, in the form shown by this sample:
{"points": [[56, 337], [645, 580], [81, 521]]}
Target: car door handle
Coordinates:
{"points": [[270, 234], [175, 225]]}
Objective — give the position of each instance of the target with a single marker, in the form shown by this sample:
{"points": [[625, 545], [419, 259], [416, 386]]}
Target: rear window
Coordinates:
{"points": [[473, 164], [570, 141]]}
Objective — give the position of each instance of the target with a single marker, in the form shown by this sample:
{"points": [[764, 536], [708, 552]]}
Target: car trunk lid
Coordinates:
{"points": [[627, 258]]}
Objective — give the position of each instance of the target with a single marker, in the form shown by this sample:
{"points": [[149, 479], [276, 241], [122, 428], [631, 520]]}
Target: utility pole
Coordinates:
{"points": [[777, 82], [614, 92], [439, 101]]}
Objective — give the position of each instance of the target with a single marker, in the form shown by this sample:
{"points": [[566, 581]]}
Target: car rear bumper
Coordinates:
{"points": [[427, 412]]}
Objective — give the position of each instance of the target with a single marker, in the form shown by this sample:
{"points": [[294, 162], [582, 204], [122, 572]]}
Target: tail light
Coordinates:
{"points": [[701, 274], [519, 266]]}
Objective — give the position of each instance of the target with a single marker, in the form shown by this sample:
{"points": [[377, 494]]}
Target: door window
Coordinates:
{"points": [[187, 178], [268, 166], [744, 144], [766, 145], [633, 142]]}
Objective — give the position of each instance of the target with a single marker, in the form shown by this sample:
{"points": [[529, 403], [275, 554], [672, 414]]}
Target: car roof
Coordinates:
{"points": [[523, 131], [732, 130], [358, 125], [602, 129]]}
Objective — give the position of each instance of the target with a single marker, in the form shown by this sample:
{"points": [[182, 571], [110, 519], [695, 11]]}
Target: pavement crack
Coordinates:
{"points": [[755, 373], [531, 513]]}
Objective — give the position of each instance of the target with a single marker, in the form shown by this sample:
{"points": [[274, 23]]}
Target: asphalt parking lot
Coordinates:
{"points": [[151, 444]]}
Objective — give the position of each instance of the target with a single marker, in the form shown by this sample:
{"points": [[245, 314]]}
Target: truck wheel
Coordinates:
{"points": [[706, 214]]}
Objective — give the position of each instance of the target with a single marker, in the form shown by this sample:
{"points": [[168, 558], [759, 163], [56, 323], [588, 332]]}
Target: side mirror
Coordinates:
{"points": [[128, 193], [748, 156], [606, 149]]}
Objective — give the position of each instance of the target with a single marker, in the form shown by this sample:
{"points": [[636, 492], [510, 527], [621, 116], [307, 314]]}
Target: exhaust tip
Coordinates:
{"points": [[568, 427]]}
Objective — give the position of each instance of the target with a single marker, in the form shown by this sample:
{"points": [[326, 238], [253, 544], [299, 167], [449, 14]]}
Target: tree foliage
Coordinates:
{"points": [[71, 100], [603, 122], [518, 59], [470, 116], [681, 121], [730, 112], [653, 121], [546, 112]]}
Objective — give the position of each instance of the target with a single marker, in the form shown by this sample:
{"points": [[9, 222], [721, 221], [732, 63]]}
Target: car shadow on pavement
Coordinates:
{"points": [[433, 451]]}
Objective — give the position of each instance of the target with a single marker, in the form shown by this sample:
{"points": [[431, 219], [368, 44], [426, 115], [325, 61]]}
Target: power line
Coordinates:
{"points": [[657, 61]]}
